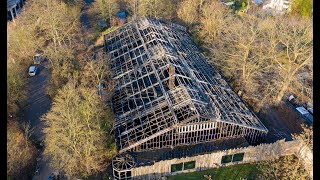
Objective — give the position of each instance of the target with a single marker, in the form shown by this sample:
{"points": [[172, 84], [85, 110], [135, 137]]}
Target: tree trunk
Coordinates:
{"points": [[12, 16], [200, 5], [283, 90]]}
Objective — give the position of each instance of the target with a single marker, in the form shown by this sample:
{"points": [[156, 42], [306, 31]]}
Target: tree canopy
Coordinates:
{"points": [[261, 56], [302, 7], [21, 152], [76, 138], [287, 167]]}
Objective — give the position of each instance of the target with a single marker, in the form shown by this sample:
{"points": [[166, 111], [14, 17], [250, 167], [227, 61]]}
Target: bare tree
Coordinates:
{"points": [[188, 11], [214, 18], [23, 37], [16, 92], [76, 139], [263, 56], [287, 167], [108, 8], [162, 9], [96, 70], [20, 151], [240, 55], [64, 66], [306, 135], [60, 27], [54, 33], [22, 44], [294, 53]]}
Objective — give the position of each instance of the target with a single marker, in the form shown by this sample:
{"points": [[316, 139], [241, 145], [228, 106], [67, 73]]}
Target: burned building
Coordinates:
{"points": [[168, 96]]}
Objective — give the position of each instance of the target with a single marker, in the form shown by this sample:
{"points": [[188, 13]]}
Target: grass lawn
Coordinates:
{"points": [[239, 171]]}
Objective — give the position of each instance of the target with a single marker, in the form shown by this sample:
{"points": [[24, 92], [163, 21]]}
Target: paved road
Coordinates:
{"points": [[38, 104]]}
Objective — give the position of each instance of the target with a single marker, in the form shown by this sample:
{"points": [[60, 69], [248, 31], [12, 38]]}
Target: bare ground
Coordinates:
{"points": [[281, 121]]}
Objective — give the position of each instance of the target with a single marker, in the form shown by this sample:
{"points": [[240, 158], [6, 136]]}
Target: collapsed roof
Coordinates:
{"points": [[167, 94]]}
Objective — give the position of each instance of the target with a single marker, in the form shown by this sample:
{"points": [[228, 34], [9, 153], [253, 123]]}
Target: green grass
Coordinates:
{"points": [[302, 7], [239, 171], [99, 39], [110, 29]]}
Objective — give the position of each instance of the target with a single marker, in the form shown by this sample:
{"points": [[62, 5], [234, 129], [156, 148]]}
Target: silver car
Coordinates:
{"points": [[33, 70]]}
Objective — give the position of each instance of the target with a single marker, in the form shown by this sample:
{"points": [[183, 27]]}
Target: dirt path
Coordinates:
{"points": [[281, 121], [87, 26], [38, 104]]}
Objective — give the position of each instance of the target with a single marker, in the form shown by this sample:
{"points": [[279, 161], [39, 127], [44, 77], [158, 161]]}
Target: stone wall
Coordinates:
{"points": [[258, 153]]}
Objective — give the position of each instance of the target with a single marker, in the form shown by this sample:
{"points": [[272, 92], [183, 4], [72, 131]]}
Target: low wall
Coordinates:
{"points": [[258, 153]]}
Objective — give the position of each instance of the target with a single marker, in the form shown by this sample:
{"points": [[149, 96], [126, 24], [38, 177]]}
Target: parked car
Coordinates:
{"points": [[303, 112], [33, 70]]}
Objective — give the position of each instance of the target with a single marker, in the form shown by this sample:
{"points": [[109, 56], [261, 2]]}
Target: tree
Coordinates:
{"points": [[302, 8], [296, 52], [132, 7], [165, 9], [21, 153], [56, 34], [58, 28], [262, 55], [239, 53], [16, 87], [162, 9], [23, 37], [75, 136], [214, 18], [64, 66], [108, 8], [96, 70], [306, 136], [188, 11], [287, 167], [23, 41], [237, 49]]}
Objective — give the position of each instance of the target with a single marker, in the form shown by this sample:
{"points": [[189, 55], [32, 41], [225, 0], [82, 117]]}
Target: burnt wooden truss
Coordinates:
{"points": [[167, 94]]}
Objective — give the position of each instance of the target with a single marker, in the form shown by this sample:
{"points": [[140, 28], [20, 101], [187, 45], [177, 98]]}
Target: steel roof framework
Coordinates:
{"points": [[167, 94]]}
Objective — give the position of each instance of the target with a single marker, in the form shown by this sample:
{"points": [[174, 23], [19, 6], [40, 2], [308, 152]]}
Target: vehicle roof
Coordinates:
{"points": [[32, 68]]}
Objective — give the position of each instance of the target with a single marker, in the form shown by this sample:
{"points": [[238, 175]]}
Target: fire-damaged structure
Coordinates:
{"points": [[168, 96]]}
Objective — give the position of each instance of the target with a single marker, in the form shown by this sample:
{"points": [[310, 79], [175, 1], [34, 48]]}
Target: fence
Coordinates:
{"points": [[248, 154]]}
